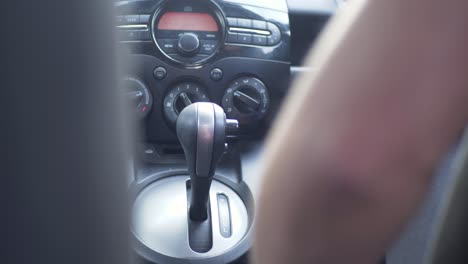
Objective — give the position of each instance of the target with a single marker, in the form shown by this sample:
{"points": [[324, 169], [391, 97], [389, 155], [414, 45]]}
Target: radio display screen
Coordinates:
{"points": [[188, 21]]}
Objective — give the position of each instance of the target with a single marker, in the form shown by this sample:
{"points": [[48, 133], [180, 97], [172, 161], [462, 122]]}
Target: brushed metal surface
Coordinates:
{"points": [[159, 218]]}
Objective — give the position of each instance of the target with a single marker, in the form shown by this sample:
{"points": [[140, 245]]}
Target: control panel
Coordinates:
{"points": [[252, 32], [188, 34], [230, 52], [133, 28]]}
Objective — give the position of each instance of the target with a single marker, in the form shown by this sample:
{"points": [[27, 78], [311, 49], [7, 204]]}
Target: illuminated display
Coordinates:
{"points": [[187, 21]]}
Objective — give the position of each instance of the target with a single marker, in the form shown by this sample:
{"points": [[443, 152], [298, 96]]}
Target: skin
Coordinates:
{"points": [[353, 151]]}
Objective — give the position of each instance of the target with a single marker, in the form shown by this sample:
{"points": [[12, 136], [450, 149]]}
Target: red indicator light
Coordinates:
{"points": [[143, 109]]}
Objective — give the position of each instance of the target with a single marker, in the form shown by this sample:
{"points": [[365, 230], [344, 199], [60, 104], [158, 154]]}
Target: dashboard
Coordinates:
{"points": [[231, 53]]}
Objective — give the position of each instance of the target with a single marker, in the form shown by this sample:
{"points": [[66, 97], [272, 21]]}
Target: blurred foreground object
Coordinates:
{"points": [[352, 154], [450, 243], [64, 140]]}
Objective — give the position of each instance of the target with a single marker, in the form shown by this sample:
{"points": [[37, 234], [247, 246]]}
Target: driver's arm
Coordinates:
{"points": [[353, 151]]}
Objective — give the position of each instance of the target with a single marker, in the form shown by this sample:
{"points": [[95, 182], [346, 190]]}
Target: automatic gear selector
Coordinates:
{"points": [[201, 129], [195, 218]]}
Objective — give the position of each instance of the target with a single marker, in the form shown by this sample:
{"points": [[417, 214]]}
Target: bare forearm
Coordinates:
{"points": [[363, 134]]}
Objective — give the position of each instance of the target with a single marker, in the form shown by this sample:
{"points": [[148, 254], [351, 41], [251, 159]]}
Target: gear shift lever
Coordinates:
{"points": [[201, 129]]}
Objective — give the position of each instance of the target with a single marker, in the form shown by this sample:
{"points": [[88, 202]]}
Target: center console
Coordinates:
{"points": [[232, 54]]}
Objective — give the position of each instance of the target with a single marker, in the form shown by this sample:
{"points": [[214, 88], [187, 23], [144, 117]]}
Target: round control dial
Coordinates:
{"points": [[246, 100], [138, 96], [181, 96], [189, 44]]}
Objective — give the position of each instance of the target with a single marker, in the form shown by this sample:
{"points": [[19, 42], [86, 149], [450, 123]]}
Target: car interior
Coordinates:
{"points": [[202, 82], [239, 55]]}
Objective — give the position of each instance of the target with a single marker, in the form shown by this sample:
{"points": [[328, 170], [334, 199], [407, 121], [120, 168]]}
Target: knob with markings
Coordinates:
{"points": [[181, 96], [137, 95], [246, 100]]}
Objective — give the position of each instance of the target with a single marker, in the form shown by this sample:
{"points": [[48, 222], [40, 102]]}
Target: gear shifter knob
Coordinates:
{"points": [[201, 129]]}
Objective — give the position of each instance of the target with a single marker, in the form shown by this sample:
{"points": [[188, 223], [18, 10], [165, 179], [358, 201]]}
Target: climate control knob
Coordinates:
{"points": [[246, 100], [137, 96], [181, 96]]}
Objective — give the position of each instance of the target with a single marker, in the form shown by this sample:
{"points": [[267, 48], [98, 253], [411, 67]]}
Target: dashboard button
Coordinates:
{"points": [[275, 36], [244, 23], [132, 19], [145, 35], [244, 38], [273, 40], [168, 45], [208, 46], [232, 21], [232, 37], [259, 40], [120, 20], [208, 36], [160, 73], [258, 24], [129, 35], [144, 19], [216, 74]]}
